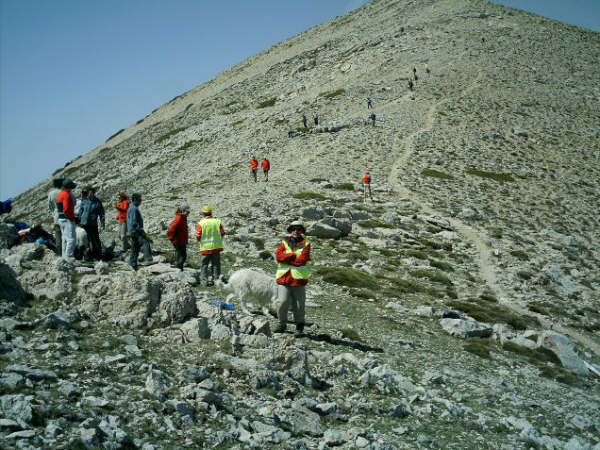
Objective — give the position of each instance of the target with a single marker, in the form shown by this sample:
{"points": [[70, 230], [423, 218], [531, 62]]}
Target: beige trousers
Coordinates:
{"points": [[294, 296]]}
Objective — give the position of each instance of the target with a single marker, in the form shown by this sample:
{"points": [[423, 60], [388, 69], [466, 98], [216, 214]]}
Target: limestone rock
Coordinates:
{"points": [[10, 287], [323, 230], [465, 328], [564, 349]]}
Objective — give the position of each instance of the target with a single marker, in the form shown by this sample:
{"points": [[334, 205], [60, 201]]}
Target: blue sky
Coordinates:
{"points": [[74, 72]]}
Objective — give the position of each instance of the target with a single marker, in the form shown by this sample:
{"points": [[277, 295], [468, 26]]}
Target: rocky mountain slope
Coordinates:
{"points": [[459, 309]]}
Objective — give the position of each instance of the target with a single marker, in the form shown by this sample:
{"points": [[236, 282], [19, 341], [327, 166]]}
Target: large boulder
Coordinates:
{"points": [[313, 213], [10, 287], [177, 303], [125, 297], [465, 328], [322, 230], [344, 225], [565, 351], [8, 235], [196, 329]]}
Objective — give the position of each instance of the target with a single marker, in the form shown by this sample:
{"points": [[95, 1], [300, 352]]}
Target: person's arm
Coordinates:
{"points": [[199, 232], [303, 258], [102, 215], [283, 257], [223, 232], [172, 232], [120, 207], [51, 204]]}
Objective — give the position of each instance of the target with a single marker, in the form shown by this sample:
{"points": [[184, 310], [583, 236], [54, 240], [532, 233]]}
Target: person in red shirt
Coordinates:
{"points": [[266, 166], [254, 165], [65, 205], [367, 186], [178, 235], [293, 255], [122, 207]]}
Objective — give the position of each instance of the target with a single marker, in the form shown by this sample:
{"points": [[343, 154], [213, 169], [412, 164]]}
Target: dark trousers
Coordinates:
{"points": [[94, 240], [181, 253], [58, 239], [138, 242], [211, 266]]}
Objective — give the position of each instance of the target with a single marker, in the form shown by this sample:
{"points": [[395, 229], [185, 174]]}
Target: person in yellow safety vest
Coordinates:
{"points": [[293, 255], [210, 233]]}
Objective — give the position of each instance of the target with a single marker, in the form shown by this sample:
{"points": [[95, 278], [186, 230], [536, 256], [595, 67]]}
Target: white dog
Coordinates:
{"points": [[252, 284]]}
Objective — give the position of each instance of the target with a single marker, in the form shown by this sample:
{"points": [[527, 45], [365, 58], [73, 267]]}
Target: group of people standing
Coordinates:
{"points": [[265, 164]]}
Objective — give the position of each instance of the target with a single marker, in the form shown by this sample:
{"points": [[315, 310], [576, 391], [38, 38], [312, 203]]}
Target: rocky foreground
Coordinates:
{"points": [[457, 310], [409, 349]]}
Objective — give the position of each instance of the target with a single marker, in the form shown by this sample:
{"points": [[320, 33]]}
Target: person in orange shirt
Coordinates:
{"points": [[254, 165], [122, 207], [367, 186], [266, 166], [178, 235]]}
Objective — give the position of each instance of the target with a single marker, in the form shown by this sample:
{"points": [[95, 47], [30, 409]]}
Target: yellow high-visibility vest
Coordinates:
{"points": [[211, 234], [298, 272]]}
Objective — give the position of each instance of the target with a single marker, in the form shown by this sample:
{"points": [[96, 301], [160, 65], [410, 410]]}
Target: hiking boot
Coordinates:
{"points": [[299, 330], [280, 328]]}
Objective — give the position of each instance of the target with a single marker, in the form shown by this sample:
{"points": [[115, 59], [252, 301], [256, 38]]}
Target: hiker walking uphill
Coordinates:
{"points": [[411, 83], [372, 117], [65, 205], [367, 187], [92, 210], [52, 197], [266, 166], [316, 118], [178, 235], [135, 228], [293, 255], [122, 207], [210, 233], [254, 167], [369, 103], [304, 120]]}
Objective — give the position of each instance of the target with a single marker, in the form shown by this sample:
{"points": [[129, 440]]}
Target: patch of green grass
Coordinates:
{"points": [[152, 164], [302, 130], [494, 314], [350, 333], [332, 94], [309, 196], [442, 265], [362, 293], [436, 174], [281, 121], [266, 103], [404, 286], [189, 144], [438, 245], [344, 186], [347, 277], [500, 177], [479, 347], [317, 180], [117, 133], [433, 276], [415, 253], [496, 232], [265, 254], [559, 374], [237, 122], [488, 297], [520, 254], [258, 242], [537, 355], [374, 223], [525, 274], [166, 136]]}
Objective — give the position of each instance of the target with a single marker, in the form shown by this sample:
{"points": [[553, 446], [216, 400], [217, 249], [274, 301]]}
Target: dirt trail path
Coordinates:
{"points": [[487, 267]]}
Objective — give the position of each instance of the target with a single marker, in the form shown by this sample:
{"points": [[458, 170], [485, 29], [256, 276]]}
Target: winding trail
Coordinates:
{"points": [[487, 268]]}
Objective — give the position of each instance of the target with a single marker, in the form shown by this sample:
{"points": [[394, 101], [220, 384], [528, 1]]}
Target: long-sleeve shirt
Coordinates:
{"points": [[52, 197], [266, 164], [92, 210], [135, 221], [178, 231], [66, 203], [292, 260], [122, 208]]}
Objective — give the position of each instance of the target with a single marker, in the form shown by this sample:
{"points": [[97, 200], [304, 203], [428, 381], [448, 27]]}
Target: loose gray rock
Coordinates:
{"points": [[564, 349], [10, 287], [466, 328]]}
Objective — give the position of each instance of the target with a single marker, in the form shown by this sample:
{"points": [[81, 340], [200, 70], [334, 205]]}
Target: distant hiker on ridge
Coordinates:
{"points": [[369, 103], [266, 166], [367, 187], [372, 117], [415, 73], [411, 83], [316, 118], [254, 167], [305, 120]]}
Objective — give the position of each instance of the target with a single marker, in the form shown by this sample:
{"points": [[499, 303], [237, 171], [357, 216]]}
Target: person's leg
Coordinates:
{"points": [[216, 266], [184, 255], [96, 245], [205, 261], [69, 230], [145, 244], [58, 239], [180, 260], [62, 223], [298, 306], [124, 238], [135, 250], [283, 300], [370, 195]]}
